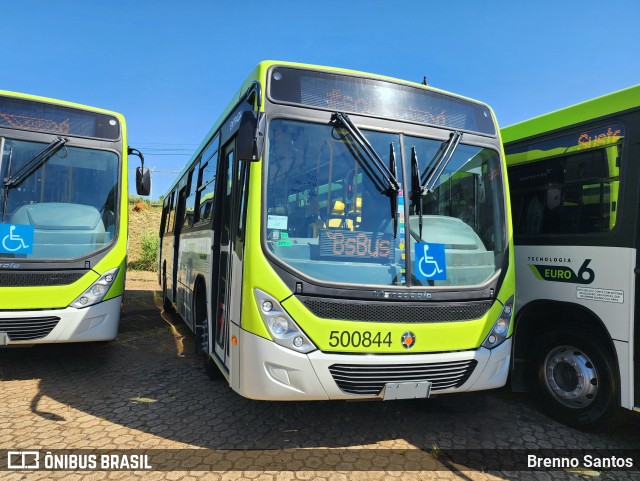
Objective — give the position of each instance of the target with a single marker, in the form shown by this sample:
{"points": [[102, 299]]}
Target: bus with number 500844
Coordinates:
{"points": [[63, 226], [344, 235]]}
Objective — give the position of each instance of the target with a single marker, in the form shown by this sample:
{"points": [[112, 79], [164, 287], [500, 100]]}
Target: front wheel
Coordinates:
{"points": [[577, 380]]}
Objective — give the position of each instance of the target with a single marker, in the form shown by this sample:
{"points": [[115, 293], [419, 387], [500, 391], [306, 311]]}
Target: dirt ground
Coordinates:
{"points": [[142, 280]]}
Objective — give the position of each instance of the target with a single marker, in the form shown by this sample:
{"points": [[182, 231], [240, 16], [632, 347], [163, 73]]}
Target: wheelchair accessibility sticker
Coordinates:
{"points": [[430, 262], [16, 239]]}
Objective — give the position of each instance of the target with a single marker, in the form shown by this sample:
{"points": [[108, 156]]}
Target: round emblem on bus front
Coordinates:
{"points": [[408, 339]]}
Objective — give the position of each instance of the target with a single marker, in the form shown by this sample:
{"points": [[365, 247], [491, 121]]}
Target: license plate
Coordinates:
{"points": [[4, 339], [406, 390]]}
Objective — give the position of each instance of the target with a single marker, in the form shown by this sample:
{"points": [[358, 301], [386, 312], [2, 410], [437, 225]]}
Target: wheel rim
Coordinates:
{"points": [[571, 377]]}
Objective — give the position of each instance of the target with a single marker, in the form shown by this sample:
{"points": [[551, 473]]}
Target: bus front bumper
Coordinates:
{"points": [[271, 372], [95, 323]]}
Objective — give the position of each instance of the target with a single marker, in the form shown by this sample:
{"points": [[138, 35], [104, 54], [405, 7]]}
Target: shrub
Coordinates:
{"points": [[148, 260]]}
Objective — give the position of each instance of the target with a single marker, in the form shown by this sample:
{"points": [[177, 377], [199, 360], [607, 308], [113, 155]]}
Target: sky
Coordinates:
{"points": [[171, 67]]}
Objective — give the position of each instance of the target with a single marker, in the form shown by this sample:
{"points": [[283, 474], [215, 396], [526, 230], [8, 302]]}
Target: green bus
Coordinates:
{"points": [[574, 194], [63, 230], [343, 235]]}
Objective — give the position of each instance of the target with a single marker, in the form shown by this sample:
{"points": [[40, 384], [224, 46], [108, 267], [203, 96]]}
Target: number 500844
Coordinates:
{"points": [[359, 339]]}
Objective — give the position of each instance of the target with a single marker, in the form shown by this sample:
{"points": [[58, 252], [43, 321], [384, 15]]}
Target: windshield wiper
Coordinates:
{"points": [[436, 167], [423, 184], [383, 178], [14, 180], [394, 195], [417, 191]]}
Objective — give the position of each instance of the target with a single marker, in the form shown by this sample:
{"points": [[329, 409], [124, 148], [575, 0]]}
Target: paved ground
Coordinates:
{"points": [[147, 391]]}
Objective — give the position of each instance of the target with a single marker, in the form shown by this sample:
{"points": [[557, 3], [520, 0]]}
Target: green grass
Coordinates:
{"points": [[148, 260]]}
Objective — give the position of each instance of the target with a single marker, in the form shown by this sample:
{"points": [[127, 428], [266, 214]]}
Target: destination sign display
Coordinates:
{"points": [[346, 245], [581, 140], [44, 117], [379, 98]]}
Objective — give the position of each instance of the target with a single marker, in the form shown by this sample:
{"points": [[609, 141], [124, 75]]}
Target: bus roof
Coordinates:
{"points": [[599, 107]]}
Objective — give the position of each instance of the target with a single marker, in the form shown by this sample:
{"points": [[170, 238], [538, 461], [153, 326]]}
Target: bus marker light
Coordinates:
{"points": [[96, 292], [500, 329], [279, 325], [234, 340], [283, 329]]}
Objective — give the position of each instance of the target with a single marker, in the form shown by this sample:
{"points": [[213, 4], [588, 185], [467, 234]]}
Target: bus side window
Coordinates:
{"points": [[206, 188], [165, 213], [171, 216], [189, 209], [578, 192]]}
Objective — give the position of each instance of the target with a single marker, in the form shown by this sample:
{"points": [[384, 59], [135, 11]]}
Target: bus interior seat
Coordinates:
{"points": [[337, 218]]}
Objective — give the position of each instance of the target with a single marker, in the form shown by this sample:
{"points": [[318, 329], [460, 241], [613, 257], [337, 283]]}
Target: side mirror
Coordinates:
{"points": [[143, 175], [247, 143], [143, 181]]}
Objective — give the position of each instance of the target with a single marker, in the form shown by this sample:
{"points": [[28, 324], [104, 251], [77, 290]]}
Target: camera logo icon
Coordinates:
{"points": [[23, 460]]}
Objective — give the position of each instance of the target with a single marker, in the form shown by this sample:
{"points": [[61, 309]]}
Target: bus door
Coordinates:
{"points": [[179, 220], [166, 249], [227, 295]]}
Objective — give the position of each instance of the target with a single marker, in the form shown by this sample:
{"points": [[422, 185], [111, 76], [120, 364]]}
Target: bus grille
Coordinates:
{"points": [[369, 380], [28, 328], [45, 278], [394, 311]]}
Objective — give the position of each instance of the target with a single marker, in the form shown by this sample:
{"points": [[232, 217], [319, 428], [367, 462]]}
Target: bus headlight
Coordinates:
{"points": [[96, 292], [284, 331], [500, 329]]}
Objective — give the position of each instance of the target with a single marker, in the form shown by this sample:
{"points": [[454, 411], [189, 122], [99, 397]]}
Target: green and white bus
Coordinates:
{"points": [[574, 177], [63, 226], [343, 235]]}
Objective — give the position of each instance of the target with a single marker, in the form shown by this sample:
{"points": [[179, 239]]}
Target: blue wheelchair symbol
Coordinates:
{"points": [[430, 264], [16, 239]]}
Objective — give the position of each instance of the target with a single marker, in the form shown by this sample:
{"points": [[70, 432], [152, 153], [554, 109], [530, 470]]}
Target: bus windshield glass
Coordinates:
{"points": [[465, 211], [326, 219], [67, 204]]}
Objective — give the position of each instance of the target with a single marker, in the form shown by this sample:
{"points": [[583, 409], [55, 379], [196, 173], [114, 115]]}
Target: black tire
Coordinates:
{"points": [[577, 380]]}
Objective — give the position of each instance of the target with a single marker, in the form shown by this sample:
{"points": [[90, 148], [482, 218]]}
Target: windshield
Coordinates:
{"points": [[464, 212], [326, 219], [64, 209]]}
